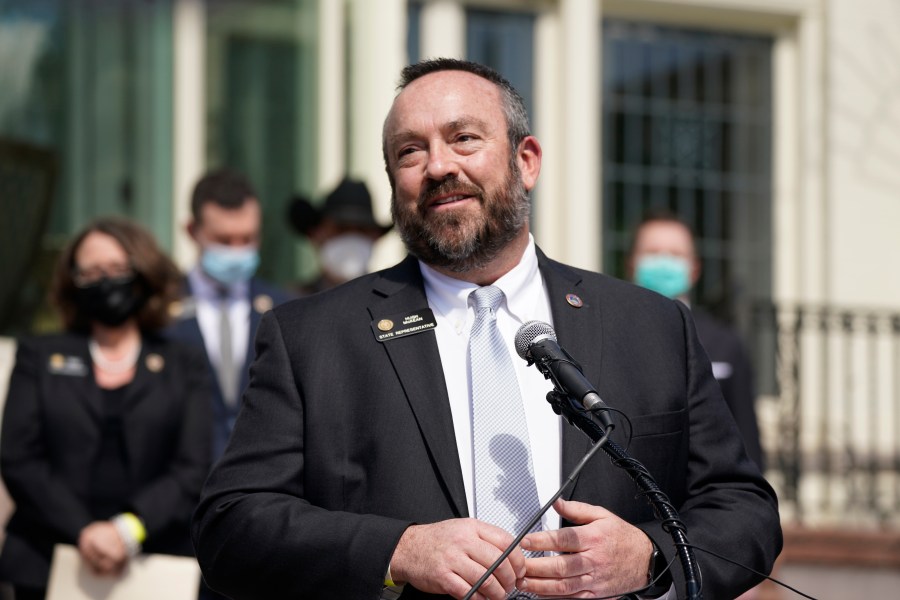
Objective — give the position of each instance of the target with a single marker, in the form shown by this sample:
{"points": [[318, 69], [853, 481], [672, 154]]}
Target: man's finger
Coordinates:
{"points": [[558, 567], [511, 569], [490, 589], [500, 539], [579, 513], [567, 539], [571, 587]]}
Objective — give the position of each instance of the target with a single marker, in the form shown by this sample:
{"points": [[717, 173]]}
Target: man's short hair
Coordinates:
{"points": [[660, 215], [517, 126], [223, 187]]}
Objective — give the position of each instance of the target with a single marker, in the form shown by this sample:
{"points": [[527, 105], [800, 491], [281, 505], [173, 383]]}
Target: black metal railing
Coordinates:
{"points": [[830, 411]]}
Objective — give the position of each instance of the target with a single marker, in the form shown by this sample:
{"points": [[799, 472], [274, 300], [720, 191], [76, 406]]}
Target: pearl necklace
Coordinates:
{"points": [[117, 366]]}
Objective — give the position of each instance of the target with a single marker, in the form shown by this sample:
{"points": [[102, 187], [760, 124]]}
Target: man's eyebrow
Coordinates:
{"points": [[455, 125], [402, 136], [465, 122]]}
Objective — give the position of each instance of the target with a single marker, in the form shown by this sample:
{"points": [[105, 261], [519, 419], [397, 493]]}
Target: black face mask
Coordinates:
{"points": [[110, 301]]}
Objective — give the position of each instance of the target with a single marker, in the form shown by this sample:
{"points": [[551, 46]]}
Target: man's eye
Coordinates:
{"points": [[465, 137]]}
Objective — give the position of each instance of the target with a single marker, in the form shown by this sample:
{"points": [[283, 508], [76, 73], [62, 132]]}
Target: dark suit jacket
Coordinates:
{"points": [[52, 428], [185, 328], [724, 346], [343, 441]]}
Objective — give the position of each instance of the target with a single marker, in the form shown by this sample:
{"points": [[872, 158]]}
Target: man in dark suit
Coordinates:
{"points": [[357, 466], [663, 258], [223, 301]]}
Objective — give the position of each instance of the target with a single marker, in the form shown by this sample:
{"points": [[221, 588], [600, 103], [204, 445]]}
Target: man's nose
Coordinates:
{"points": [[442, 162]]}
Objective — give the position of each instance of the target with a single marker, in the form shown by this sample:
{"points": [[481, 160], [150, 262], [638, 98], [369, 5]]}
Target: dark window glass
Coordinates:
{"points": [[261, 108], [85, 130], [687, 119], [504, 41]]}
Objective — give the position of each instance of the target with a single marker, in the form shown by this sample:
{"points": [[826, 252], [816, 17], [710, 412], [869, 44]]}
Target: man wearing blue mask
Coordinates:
{"points": [[223, 301], [663, 258]]}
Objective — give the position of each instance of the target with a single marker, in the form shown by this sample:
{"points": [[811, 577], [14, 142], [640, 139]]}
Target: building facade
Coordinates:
{"points": [[772, 125]]}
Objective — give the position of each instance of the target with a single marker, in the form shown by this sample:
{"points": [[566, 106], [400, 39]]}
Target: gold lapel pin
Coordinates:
{"points": [[262, 303], [574, 300], [176, 309], [155, 362], [385, 325], [57, 361]]}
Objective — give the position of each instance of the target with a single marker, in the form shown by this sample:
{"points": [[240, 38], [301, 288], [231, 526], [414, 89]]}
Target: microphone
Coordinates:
{"points": [[536, 343]]}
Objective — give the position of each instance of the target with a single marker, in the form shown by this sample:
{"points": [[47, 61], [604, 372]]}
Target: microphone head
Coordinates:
{"points": [[531, 332]]}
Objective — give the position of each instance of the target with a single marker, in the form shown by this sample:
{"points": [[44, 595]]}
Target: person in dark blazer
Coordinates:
{"points": [[349, 475], [221, 301], [105, 431], [663, 258]]}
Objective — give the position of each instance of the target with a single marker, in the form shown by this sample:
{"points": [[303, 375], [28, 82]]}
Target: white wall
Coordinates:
{"points": [[863, 109]]}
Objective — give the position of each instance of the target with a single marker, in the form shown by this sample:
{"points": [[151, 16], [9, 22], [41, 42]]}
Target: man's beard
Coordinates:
{"points": [[460, 240]]}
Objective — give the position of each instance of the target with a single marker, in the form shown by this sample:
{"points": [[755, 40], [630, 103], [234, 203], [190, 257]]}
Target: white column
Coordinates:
{"points": [[811, 241], [548, 222], [581, 132], [443, 27], [787, 255], [331, 160], [189, 108], [378, 53]]}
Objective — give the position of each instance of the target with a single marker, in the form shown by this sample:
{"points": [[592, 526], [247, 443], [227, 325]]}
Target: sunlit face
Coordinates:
{"points": [[664, 237], [459, 191], [236, 227], [668, 238], [100, 255]]}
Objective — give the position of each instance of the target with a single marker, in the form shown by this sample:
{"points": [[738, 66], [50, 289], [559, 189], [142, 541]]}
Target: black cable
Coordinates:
{"points": [[569, 408], [537, 517], [737, 564]]}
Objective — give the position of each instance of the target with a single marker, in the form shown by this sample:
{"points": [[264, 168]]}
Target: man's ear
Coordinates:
{"points": [[696, 270], [528, 157], [191, 229]]}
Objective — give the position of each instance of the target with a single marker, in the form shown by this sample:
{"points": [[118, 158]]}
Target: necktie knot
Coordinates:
{"points": [[488, 297]]}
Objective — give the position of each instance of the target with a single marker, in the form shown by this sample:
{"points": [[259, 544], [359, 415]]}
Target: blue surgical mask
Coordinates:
{"points": [[664, 274], [227, 264]]}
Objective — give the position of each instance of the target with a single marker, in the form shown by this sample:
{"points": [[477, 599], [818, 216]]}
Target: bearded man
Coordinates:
{"points": [[390, 445]]}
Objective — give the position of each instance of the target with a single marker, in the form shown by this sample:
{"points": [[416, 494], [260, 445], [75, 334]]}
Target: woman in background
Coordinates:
{"points": [[106, 430]]}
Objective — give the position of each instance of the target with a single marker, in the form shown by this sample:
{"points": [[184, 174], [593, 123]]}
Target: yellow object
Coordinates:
{"points": [[135, 526]]}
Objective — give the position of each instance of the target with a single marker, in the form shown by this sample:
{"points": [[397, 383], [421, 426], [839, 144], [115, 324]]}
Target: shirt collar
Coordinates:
{"points": [[203, 287], [450, 296]]}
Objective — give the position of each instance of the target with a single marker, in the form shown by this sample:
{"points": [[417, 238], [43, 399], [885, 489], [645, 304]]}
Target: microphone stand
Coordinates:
{"points": [[567, 407]]}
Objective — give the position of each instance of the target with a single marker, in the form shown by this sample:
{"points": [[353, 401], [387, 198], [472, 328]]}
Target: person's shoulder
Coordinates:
{"points": [[55, 353], [162, 343], [611, 291], [714, 332], [352, 294], [261, 287], [62, 341]]}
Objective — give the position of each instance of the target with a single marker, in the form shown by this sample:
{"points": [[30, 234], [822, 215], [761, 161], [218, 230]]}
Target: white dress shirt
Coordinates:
{"points": [[525, 300], [208, 298]]}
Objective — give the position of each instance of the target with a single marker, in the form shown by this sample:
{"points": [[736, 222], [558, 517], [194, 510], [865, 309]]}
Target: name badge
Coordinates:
{"points": [[402, 325], [67, 365]]}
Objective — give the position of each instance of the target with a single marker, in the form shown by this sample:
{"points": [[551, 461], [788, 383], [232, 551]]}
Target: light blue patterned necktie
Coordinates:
{"points": [[505, 489]]}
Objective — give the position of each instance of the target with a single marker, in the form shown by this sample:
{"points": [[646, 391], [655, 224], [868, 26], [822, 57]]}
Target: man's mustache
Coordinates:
{"points": [[445, 187]]}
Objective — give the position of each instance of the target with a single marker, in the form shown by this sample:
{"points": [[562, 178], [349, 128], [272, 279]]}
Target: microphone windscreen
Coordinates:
{"points": [[528, 333]]}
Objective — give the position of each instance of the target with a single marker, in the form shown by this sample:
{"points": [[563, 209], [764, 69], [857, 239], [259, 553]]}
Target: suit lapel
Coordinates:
{"points": [[147, 368], [417, 362], [85, 388], [578, 329], [257, 308]]}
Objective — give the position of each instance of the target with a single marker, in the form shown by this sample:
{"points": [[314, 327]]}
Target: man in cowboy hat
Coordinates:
{"points": [[343, 232]]}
